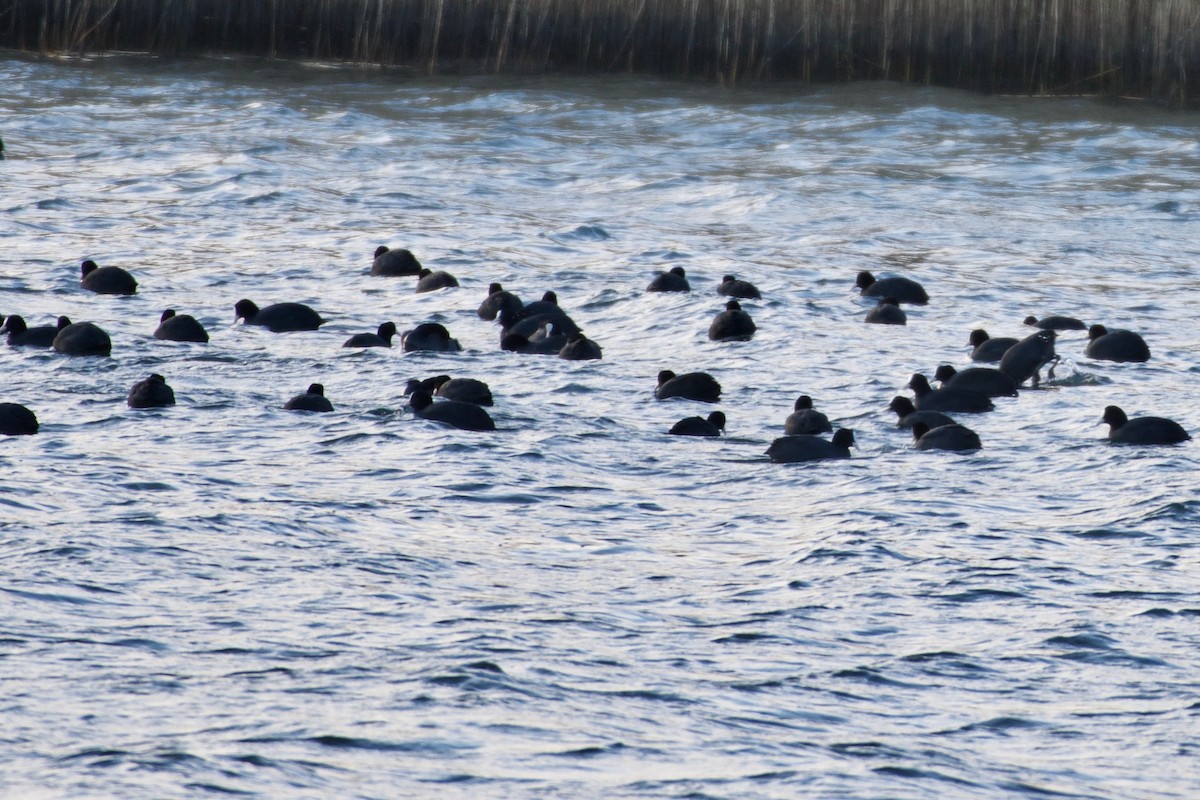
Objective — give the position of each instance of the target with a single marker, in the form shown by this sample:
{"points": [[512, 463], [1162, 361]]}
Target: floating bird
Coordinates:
{"points": [[391, 263], [1116, 345], [949, 400], [908, 415], [887, 312], [806, 419], [690, 386], [106, 280], [312, 400], [804, 447], [38, 336], [731, 286], [905, 290], [985, 380], [17, 420], [180, 328], [83, 339], [1142, 430], [985, 348], [153, 392], [278, 317], [674, 280], [732, 325], [945, 437], [381, 338], [580, 348], [455, 413], [467, 390], [497, 297], [1056, 322], [699, 426]]}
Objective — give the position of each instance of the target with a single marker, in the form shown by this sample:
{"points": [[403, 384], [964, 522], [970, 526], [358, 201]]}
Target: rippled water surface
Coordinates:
{"points": [[229, 598]]}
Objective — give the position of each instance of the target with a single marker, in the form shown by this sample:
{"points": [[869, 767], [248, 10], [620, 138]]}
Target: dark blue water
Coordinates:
{"points": [[226, 598]]}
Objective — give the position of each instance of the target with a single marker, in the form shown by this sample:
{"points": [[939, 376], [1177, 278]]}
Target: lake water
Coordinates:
{"points": [[226, 598]]}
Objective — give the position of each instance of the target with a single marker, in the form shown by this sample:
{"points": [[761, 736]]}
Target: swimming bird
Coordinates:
{"points": [[691, 386], [984, 380], [699, 426], [312, 400], [83, 339], [732, 324], [674, 280], [496, 298], [528, 318], [106, 280], [731, 286], [947, 399], [38, 336], [153, 392], [580, 348], [279, 317], [945, 437], [430, 281], [1116, 345], [467, 390], [1142, 430], [381, 338], [430, 336], [455, 413], [391, 263], [1025, 359], [908, 415], [985, 348], [1056, 322], [180, 328], [806, 419], [17, 420], [905, 290], [887, 312], [547, 345], [804, 447]]}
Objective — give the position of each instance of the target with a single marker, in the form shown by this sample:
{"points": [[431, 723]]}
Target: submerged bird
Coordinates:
{"points": [[430, 281], [804, 447], [908, 415], [731, 286], [1142, 430], [947, 399], [945, 437], [455, 413], [1025, 359], [153, 392], [396, 262], [1056, 322], [312, 400], [887, 312], [278, 317], [431, 336], [699, 426], [17, 420], [381, 338], [1116, 345], [38, 336], [732, 324], [985, 348], [83, 339], [674, 280], [106, 280], [806, 419], [905, 290], [690, 386], [180, 328], [984, 380]]}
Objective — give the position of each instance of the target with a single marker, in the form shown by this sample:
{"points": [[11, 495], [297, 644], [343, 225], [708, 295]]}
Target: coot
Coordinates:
{"points": [[674, 280], [1142, 430], [732, 286], [153, 392], [905, 290], [804, 447], [312, 400], [699, 426], [806, 419], [457, 414], [106, 280], [180, 328], [1116, 345], [278, 317], [381, 338], [690, 386], [394, 262], [732, 325]]}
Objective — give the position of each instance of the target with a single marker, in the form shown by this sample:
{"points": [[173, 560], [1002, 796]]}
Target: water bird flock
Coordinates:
{"points": [[543, 327]]}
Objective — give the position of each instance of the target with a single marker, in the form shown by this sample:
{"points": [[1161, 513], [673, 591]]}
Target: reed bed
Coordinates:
{"points": [[1142, 48]]}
